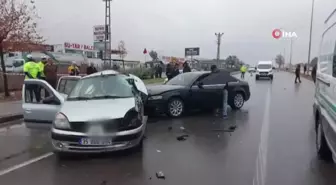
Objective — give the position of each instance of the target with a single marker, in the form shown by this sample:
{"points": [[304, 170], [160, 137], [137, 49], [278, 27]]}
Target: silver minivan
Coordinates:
{"points": [[100, 112], [325, 95]]}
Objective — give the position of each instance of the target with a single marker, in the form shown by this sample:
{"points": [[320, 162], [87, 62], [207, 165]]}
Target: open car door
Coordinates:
{"points": [[39, 108]]}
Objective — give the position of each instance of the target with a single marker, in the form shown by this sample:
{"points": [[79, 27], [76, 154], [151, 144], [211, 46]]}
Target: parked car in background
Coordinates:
{"points": [[196, 90], [102, 112], [252, 69]]}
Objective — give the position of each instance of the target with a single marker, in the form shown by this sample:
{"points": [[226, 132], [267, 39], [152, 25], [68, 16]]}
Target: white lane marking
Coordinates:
{"points": [[31, 161], [261, 161]]}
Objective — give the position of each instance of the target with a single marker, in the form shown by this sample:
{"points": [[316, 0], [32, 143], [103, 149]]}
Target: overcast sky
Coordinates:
{"points": [[168, 26]]}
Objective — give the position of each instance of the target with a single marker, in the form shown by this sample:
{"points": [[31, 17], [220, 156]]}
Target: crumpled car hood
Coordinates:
{"points": [[88, 110]]}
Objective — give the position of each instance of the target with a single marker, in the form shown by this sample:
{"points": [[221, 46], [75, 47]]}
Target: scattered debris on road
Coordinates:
{"points": [[182, 138], [170, 128], [158, 151], [160, 175], [230, 129]]}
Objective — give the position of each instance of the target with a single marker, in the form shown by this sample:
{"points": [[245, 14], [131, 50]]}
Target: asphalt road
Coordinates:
{"points": [[273, 144]]}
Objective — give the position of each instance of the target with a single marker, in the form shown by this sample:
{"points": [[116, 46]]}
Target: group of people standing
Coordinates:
{"points": [[44, 70], [174, 70], [305, 71]]}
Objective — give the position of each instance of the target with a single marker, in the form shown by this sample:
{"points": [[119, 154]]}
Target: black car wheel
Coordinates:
{"points": [[237, 101], [175, 107], [257, 77], [322, 147]]}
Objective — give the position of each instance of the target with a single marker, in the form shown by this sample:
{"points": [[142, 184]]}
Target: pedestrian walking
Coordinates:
{"points": [[91, 69], [32, 70], [297, 73]]}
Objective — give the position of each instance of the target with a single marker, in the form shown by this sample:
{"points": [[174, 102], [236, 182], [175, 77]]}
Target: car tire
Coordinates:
{"points": [[323, 150], [237, 101], [175, 107], [271, 78], [257, 77]]}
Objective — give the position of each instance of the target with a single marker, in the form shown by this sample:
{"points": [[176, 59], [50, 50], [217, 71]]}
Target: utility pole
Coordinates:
{"points": [[219, 37], [284, 58], [311, 29], [107, 40], [290, 52]]}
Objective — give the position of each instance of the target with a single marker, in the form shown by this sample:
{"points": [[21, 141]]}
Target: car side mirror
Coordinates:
{"points": [[52, 100], [200, 85]]}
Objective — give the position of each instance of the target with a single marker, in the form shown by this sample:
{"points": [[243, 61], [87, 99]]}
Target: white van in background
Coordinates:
{"points": [[264, 70]]}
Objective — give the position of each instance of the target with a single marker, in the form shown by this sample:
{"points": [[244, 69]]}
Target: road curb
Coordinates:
{"points": [[9, 118]]}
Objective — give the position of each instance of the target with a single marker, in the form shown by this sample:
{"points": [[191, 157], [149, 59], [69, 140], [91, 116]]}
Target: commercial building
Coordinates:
{"points": [[69, 47]]}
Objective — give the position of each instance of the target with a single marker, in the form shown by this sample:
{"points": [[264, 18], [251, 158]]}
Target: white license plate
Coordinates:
{"points": [[95, 141]]}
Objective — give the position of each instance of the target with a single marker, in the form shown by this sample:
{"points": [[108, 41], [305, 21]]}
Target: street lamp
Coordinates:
{"points": [[311, 28], [107, 41]]}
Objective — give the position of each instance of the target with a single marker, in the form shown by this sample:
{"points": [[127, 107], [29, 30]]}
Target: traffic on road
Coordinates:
{"points": [[265, 142]]}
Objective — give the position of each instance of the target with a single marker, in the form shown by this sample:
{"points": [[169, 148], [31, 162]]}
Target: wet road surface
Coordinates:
{"points": [[272, 144]]}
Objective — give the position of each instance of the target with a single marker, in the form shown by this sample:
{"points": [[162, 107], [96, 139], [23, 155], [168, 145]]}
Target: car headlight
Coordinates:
{"points": [[61, 121], [155, 98]]}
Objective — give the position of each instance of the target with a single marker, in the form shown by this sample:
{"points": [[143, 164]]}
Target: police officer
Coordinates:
{"points": [[243, 70], [41, 65], [73, 70], [32, 70]]}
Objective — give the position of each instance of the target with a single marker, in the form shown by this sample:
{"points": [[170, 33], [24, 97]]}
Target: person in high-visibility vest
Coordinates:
{"points": [[32, 70], [41, 65], [73, 70], [243, 71]]}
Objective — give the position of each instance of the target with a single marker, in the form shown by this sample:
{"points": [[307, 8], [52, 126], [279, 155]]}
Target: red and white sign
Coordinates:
{"points": [[279, 33], [75, 46]]}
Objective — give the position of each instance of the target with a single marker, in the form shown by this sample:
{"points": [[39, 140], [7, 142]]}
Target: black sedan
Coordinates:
{"points": [[200, 90]]}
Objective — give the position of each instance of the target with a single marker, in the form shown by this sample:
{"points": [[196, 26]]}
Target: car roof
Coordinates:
{"points": [[105, 72]]}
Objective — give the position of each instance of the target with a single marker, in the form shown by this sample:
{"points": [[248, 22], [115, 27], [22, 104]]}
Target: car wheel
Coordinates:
{"points": [[237, 101], [322, 147], [175, 107], [257, 77], [271, 78]]}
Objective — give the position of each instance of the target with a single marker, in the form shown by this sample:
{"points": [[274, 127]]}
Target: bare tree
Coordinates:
{"points": [[122, 52], [153, 54], [280, 60], [17, 30]]}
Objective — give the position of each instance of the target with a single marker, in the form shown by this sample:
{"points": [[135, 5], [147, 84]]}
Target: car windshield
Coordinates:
{"points": [[101, 87], [183, 79], [264, 66]]}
